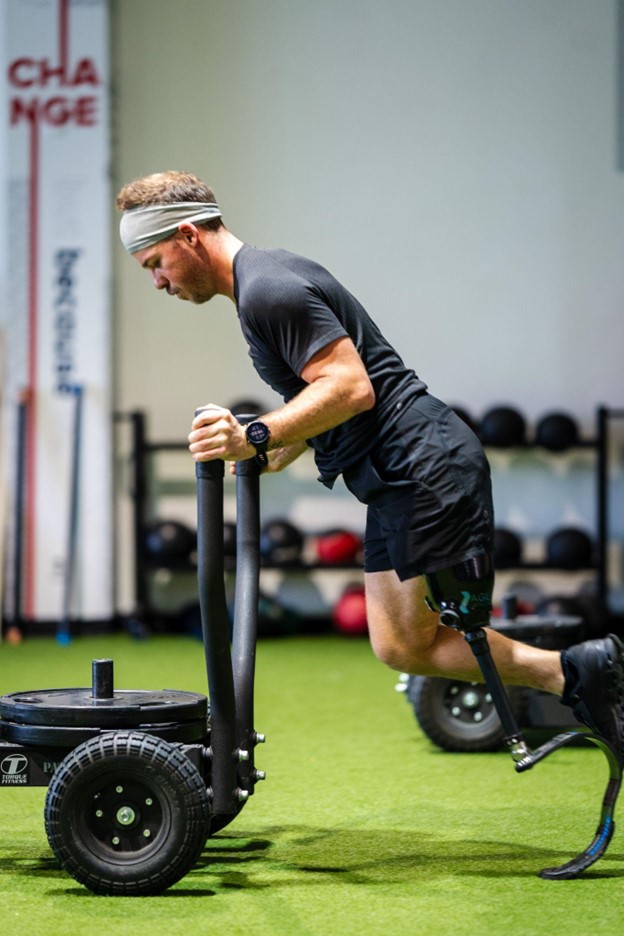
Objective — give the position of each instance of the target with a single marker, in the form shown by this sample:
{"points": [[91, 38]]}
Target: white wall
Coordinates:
{"points": [[452, 161]]}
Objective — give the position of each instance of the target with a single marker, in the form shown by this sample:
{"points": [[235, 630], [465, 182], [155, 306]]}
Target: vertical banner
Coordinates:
{"points": [[55, 312]]}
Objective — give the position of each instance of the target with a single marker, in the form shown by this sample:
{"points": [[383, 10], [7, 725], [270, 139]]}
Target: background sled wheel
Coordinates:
{"points": [[127, 813], [459, 716]]}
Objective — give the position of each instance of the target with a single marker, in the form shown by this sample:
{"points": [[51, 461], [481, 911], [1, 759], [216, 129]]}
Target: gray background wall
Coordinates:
{"points": [[453, 162]]}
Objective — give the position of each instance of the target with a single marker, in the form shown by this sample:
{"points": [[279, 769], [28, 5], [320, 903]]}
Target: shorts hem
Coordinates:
{"points": [[406, 573]]}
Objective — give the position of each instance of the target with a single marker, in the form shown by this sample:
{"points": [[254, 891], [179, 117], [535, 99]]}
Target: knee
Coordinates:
{"points": [[402, 628], [391, 653], [407, 651]]}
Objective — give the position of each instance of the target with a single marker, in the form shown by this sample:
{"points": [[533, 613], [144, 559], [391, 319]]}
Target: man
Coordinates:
{"points": [[369, 418]]}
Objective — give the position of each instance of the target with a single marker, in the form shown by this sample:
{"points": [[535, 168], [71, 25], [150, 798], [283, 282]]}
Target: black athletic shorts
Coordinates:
{"points": [[428, 490]]}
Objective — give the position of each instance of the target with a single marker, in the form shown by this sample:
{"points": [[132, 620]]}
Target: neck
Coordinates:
{"points": [[222, 247]]}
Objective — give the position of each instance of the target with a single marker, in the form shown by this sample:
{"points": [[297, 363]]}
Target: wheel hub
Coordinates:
{"points": [[126, 816], [470, 704]]}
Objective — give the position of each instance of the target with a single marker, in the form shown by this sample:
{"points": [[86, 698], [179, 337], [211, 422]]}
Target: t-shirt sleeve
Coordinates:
{"points": [[295, 322]]}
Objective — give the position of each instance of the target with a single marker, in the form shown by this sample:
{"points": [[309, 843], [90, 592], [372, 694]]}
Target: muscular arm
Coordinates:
{"points": [[338, 387]]}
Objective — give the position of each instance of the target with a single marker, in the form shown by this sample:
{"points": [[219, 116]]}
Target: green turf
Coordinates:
{"points": [[362, 827]]}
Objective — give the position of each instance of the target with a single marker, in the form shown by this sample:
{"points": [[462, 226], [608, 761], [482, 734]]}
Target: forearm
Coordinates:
{"points": [[337, 387], [280, 458], [319, 407]]}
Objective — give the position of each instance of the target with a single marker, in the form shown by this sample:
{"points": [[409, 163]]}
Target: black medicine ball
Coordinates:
{"points": [[281, 543], [557, 432], [507, 548], [247, 407], [169, 539], [229, 538], [503, 427], [569, 548]]}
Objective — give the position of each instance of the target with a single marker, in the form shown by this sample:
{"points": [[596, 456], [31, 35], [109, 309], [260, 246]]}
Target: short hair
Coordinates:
{"points": [[166, 188]]}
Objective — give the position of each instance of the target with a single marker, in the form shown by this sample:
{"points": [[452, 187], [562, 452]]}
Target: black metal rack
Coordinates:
{"points": [[144, 449], [605, 418]]}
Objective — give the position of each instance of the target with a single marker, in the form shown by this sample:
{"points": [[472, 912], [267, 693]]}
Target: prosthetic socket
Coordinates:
{"points": [[463, 594]]}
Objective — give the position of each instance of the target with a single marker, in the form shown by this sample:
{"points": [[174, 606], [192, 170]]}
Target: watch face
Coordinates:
{"points": [[258, 433]]}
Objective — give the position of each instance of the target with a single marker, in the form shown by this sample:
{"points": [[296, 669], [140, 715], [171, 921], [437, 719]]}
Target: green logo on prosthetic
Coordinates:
{"points": [[471, 602]]}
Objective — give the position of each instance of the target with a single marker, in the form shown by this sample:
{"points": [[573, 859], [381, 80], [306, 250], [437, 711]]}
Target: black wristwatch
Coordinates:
{"points": [[258, 435]]}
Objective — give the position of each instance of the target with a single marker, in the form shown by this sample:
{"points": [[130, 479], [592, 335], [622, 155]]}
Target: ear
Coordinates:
{"points": [[189, 232]]}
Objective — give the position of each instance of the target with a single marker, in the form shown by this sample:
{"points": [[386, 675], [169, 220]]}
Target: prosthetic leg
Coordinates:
{"points": [[462, 596]]}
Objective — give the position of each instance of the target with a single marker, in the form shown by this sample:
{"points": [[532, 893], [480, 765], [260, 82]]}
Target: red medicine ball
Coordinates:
{"points": [[349, 614], [337, 547]]}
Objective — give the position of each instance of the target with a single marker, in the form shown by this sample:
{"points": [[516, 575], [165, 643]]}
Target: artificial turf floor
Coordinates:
{"points": [[362, 826]]}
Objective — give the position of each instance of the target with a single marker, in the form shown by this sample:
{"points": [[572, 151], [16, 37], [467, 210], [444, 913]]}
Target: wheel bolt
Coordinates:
{"points": [[471, 699], [125, 816]]}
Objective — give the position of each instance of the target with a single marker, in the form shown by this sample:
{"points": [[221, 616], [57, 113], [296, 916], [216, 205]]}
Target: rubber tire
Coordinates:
{"points": [[164, 791], [432, 697]]}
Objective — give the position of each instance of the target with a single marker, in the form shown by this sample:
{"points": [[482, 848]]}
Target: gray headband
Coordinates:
{"points": [[144, 227]]}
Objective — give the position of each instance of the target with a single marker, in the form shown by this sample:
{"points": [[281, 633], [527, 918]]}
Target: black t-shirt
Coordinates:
{"points": [[289, 308]]}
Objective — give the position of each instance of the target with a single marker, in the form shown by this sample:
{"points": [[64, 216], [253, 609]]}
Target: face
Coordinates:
{"points": [[177, 267]]}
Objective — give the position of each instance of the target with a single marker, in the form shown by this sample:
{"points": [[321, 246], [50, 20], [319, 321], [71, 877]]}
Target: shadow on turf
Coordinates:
{"points": [[296, 856], [373, 857]]}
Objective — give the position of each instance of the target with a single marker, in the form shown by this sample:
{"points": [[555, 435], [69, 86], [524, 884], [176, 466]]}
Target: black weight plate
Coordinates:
{"points": [[76, 708], [54, 736]]}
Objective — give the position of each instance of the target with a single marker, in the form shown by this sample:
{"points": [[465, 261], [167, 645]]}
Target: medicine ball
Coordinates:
{"points": [[247, 407], [528, 595], [337, 547], [281, 543], [349, 612], [507, 548], [503, 427], [189, 620], [229, 538], [569, 548], [169, 539], [275, 619], [557, 432]]}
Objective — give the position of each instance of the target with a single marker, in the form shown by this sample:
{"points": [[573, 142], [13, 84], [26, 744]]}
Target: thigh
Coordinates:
{"points": [[399, 619], [428, 492]]}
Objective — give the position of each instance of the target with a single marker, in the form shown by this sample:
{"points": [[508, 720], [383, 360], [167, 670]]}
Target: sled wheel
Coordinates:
{"points": [[127, 813], [458, 716]]}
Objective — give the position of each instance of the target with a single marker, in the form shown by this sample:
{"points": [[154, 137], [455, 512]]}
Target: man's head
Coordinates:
{"points": [[164, 188], [172, 225], [154, 207]]}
